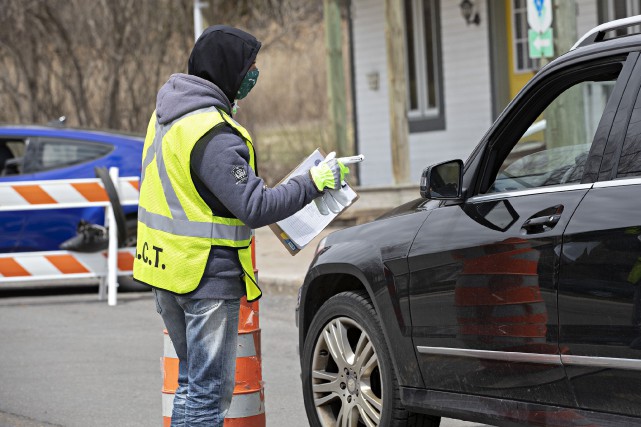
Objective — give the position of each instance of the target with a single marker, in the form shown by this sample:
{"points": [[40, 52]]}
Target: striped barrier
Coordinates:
{"points": [[248, 402], [55, 267], [70, 193], [19, 267]]}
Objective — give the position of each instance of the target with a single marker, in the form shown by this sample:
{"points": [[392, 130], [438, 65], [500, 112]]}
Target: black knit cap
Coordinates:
{"points": [[223, 55]]}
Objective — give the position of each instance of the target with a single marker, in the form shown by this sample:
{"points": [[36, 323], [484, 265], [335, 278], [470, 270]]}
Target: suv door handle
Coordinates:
{"points": [[538, 224]]}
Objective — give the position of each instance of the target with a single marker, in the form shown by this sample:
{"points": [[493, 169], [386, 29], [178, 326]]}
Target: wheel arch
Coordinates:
{"points": [[325, 286]]}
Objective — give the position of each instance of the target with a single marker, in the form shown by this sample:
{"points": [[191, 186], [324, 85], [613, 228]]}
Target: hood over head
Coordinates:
{"points": [[223, 55], [183, 94]]}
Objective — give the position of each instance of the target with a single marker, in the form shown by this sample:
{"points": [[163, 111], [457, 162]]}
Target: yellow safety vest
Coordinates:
{"points": [[176, 228]]}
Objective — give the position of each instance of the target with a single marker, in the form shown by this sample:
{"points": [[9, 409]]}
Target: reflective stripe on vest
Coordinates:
{"points": [[176, 228], [239, 234]]}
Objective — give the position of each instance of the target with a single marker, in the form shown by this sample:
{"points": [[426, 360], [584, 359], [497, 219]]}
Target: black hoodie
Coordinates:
{"points": [[223, 55], [218, 63]]}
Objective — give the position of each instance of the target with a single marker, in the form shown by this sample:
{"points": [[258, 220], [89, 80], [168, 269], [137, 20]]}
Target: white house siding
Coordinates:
{"points": [[370, 56], [467, 91], [467, 88], [587, 16], [466, 82]]}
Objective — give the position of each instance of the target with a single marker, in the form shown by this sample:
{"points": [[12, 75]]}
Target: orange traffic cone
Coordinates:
{"points": [[248, 402], [169, 367]]}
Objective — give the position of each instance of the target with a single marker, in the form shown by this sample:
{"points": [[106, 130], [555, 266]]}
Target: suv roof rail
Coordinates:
{"points": [[597, 33]]}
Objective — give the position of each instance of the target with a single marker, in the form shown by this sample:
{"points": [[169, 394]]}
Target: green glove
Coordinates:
{"points": [[329, 173]]}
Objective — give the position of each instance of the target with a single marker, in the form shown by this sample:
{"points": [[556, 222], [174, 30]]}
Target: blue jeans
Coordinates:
{"points": [[204, 333]]}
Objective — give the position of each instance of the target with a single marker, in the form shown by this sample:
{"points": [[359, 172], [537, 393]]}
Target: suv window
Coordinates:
{"points": [[52, 154], [555, 147], [630, 160]]}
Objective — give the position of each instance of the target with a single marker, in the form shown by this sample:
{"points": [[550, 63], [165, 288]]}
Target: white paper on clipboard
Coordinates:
{"points": [[307, 223]]}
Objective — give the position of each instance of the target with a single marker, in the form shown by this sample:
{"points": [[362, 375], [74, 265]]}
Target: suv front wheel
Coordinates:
{"points": [[348, 379]]}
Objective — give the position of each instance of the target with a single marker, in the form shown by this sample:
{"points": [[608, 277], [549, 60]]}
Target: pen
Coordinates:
{"points": [[351, 159]]}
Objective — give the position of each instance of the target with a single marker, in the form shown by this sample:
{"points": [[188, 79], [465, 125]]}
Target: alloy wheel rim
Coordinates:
{"points": [[346, 379]]}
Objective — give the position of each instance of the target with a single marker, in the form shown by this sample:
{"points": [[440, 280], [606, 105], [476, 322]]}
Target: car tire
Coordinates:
{"points": [[360, 388]]}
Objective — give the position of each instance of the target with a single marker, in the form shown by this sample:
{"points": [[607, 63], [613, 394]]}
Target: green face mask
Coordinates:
{"points": [[248, 83]]}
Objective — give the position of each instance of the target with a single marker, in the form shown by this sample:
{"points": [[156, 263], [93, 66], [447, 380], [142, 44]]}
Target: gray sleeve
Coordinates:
{"points": [[224, 170]]}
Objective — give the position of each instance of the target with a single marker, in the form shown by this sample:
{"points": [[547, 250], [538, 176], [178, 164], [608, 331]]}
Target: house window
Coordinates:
{"points": [[424, 70], [616, 9], [522, 61]]}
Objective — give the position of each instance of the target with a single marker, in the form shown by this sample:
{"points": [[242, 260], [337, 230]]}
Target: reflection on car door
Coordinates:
{"points": [[600, 275], [480, 291], [483, 290]]}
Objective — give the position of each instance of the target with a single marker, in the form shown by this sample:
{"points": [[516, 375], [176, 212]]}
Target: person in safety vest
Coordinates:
{"points": [[199, 199]]}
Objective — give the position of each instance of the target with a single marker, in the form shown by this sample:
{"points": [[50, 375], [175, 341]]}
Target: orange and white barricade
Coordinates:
{"points": [[64, 193], [43, 268]]}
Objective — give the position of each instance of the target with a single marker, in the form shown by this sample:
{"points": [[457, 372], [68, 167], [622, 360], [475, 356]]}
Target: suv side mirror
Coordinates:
{"points": [[442, 181]]}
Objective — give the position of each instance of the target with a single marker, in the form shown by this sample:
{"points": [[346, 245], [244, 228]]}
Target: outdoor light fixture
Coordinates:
{"points": [[468, 10]]}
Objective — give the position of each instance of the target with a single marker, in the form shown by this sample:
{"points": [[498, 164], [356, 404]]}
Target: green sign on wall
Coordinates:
{"points": [[541, 45]]}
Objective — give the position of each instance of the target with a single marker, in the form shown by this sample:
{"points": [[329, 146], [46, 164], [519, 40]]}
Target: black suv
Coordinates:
{"points": [[510, 293]]}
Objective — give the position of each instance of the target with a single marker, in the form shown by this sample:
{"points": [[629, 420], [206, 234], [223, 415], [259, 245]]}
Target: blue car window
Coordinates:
{"points": [[11, 156], [52, 154]]}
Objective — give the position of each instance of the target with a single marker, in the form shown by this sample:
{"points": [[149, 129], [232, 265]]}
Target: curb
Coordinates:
{"points": [[279, 285]]}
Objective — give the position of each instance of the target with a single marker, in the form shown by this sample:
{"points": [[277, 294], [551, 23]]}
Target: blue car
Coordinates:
{"points": [[38, 153]]}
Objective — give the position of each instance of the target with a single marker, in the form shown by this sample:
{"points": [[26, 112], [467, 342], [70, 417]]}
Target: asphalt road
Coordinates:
{"points": [[70, 360]]}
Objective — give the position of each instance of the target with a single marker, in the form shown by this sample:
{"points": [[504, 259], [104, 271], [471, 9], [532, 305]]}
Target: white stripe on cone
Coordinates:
{"points": [[167, 404], [246, 347], [242, 405], [246, 405], [168, 347]]}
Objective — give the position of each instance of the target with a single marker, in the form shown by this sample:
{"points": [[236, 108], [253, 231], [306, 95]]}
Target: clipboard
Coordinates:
{"points": [[296, 231]]}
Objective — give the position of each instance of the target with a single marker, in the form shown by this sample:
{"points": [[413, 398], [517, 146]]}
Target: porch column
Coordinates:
{"points": [[399, 129]]}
